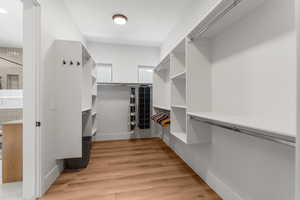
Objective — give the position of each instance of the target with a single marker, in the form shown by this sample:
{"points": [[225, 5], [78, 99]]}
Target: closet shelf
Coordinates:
{"points": [[181, 75], [86, 109], [180, 136], [162, 107], [123, 84], [179, 106], [164, 64], [250, 126], [223, 14]]}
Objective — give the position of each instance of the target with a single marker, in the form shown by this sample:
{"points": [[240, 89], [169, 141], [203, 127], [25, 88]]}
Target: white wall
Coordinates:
{"points": [[112, 112], [124, 59], [56, 24], [255, 52]]}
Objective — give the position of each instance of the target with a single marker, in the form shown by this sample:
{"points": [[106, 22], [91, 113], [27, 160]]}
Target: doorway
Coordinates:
{"points": [[19, 99]]}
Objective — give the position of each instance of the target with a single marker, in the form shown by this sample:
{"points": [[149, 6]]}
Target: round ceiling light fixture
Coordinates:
{"points": [[120, 19]]}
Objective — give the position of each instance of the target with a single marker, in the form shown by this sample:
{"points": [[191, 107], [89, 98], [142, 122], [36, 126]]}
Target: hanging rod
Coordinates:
{"points": [[216, 18], [10, 61], [262, 134]]}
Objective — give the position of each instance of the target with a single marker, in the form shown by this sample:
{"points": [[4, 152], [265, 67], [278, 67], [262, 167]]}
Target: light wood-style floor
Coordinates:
{"points": [[144, 169]]}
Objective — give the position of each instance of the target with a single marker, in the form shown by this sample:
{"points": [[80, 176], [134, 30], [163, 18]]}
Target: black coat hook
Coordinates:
{"points": [[71, 63]]}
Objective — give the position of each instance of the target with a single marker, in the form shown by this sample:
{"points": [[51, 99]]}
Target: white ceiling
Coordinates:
{"points": [[149, 21], [11, 23]]}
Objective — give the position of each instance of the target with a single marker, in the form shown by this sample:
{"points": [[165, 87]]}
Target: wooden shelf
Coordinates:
{"points": [[260, 126]]}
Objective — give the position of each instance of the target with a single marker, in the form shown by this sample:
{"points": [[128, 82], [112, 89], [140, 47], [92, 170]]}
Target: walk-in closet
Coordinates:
{"points": [[166, 100]]}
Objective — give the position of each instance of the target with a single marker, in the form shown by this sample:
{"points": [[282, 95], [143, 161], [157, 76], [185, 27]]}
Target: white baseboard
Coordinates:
{"points": [[120, 136], [51, 176], [221, 188], [225, 192]]}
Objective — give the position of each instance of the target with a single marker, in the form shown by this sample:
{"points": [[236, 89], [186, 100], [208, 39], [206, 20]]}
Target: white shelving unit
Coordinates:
{"points": [[215, 73], [94, 101], [74, 74], [162, 85], [178, 92]]}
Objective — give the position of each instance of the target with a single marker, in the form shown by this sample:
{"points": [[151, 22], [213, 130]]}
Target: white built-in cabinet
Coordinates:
{"points": [[215, 76], [75, 100]]}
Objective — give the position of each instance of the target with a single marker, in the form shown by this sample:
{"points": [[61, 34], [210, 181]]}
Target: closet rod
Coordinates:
{"points": [[251, 132], [216, 18]]}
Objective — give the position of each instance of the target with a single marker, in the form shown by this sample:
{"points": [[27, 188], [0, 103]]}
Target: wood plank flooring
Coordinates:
{"points": [[143, 169]]}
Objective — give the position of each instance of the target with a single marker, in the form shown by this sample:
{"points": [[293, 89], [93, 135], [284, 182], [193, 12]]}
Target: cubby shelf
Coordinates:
{"points": [[162, 107], [180, 136], [179, 106], [180, 75]]}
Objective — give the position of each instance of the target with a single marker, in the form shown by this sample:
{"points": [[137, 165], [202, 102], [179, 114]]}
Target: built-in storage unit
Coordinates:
{"points": [[233, 93], [76, 93], [212, 82], [94, 99], [162, 85]]}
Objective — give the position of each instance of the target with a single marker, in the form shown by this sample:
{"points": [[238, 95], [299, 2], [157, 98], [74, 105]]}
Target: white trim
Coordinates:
{"points": [[121, 136], [221, 188], [225, 192], [31, 134], [51, 176]]}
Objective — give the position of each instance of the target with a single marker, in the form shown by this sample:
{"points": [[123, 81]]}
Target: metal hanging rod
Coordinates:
{"points": [[215, 19], [265, 135]]}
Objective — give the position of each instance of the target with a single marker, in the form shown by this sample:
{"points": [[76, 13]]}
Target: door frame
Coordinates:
{"points": [[32, 159]]}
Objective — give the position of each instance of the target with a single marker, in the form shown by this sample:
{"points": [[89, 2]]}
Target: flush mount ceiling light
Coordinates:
{"points": [[3, 11], [120, 19]]}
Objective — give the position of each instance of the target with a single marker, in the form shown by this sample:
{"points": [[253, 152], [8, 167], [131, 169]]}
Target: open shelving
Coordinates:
{"points": [[94, 100], [178, 60], [223, 69], [227, 79], [162, 107], [178, 124], [162, 84]]}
